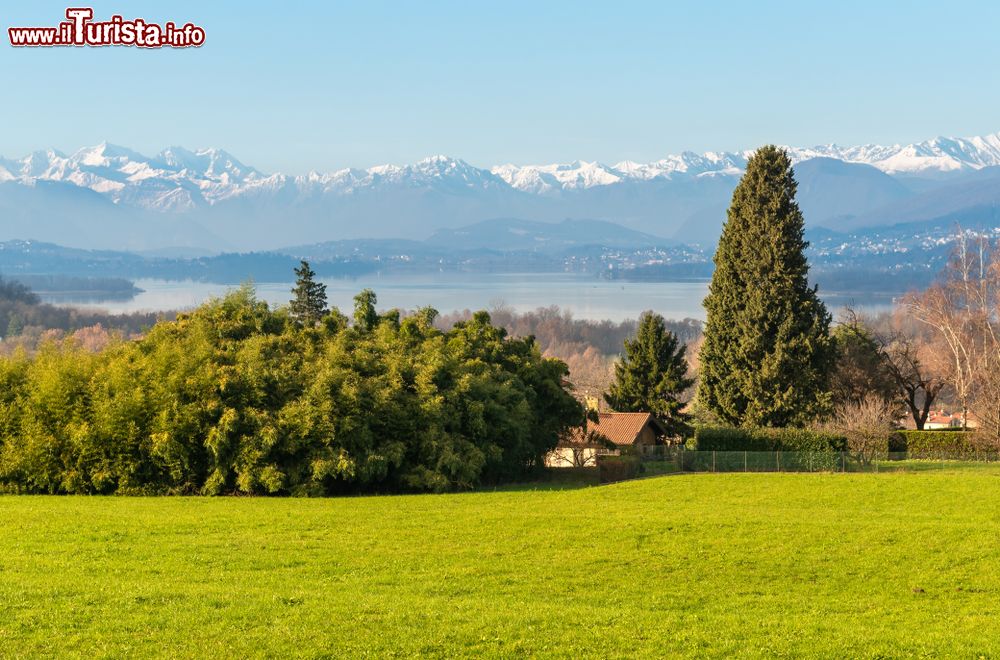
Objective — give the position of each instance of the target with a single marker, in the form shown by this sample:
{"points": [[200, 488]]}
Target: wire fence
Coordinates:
{"points": [[657, 460], [817, 461]]}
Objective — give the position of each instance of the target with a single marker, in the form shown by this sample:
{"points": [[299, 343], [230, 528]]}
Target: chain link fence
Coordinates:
{"points": [[658, 460]]}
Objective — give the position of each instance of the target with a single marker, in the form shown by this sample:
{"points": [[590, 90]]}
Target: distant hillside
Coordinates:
{"points": [[525, 235], [972, 200], [895, 258]]}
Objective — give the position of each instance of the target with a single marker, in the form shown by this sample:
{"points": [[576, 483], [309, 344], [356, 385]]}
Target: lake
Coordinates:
{"points": [[584, 295]]}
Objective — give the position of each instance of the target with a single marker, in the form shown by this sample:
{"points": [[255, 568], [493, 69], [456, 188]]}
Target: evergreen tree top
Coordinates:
{"points": [[767, 351], [308, 305], [652, 375]]}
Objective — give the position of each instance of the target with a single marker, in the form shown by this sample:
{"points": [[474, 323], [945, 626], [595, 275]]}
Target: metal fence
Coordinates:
{"points": [[814, 461], [664, 459]]}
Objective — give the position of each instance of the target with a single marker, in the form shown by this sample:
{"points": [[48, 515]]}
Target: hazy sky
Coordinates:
{"points": [[295, 86]]}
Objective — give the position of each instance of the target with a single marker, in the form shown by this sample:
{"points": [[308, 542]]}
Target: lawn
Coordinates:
{"points": [[696, 564]]}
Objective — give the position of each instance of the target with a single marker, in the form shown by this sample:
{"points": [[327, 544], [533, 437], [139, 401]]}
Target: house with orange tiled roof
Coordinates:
{"points": [[939, 420], [610, 433]]}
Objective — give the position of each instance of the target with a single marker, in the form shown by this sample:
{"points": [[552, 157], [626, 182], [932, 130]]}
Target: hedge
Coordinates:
{"points": [[712, 438], [618, 468], [946, 444]]}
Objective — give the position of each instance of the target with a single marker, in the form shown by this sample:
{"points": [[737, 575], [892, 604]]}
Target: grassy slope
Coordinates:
{"points": [[842, 564]]}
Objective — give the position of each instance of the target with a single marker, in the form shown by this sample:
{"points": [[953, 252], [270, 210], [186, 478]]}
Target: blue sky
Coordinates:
{"points": [[295, 86]]}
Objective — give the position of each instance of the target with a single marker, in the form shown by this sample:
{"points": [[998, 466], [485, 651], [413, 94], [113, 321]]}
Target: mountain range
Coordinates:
{"points": [[113, 197]]}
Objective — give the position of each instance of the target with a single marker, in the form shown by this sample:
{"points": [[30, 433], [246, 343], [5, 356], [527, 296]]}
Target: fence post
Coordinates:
{"points": [[777, 459], [745, 462], [843, 462], [713, 460]]}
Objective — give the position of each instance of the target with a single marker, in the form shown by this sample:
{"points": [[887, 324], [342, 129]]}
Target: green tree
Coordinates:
{"points": [[652, 375], [232, 398], [862, 368], [365, 316], [309, 304], [767, 352]]}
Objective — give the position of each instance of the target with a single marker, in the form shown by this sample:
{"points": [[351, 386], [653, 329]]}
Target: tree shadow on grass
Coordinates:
{"points": [[550, 479]]}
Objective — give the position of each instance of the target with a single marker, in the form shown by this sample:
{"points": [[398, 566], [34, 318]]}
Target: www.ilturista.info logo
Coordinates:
{"points": [[80, 30]]}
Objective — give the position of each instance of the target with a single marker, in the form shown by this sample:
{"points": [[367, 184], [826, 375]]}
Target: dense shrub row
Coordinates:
{"points": [[944, 444], [916, 444], [236, 397], [713, 438]]}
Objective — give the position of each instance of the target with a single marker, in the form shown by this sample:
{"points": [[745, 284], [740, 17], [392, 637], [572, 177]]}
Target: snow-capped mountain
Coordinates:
{"points": [[930, 158], [174, 180], [680, 196], [940, 155], [177, 179]]}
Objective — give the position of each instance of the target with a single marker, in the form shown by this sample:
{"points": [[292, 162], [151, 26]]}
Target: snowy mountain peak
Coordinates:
{"points": [[179, 179], [442, 165], [441, 159], [560, 176], [206, 162], [935, 157], [105, 155]]}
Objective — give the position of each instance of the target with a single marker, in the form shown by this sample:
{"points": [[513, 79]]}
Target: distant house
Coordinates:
{"points": [[939, 419], [610, 434]]}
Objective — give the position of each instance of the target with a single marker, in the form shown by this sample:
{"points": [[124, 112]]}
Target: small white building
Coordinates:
{"points": [[938, 420]]}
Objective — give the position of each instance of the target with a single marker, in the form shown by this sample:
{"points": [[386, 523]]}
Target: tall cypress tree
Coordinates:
{"points": [[767, 352], [652, 375], [309, 304]]}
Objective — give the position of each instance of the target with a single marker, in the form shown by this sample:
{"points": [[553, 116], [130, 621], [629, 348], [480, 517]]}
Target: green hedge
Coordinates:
{"points": [[946, 444], [618, 468], [711, 438]]}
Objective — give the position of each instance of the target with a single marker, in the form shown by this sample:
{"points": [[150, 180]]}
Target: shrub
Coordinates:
{"points": [[618, 468], [897, 442], [947, 444], [765, 439], [235, 397], [867, 424]]}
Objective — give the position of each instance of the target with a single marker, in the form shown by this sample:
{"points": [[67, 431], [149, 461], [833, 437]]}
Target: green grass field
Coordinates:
{"points": [[848, 565]]}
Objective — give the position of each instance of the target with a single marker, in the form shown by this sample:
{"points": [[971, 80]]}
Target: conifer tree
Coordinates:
{"points": [[309, 304], [767, 352], [652, 375]]}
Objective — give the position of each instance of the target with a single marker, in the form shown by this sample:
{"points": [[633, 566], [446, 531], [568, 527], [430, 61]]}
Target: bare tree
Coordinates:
{"points": [[961, 308], [903, 356], [911, 362], [866, 424], [986, 405]]}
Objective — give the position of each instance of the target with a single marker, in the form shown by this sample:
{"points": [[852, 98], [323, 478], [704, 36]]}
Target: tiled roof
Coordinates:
{"points": [[619, 428], [942, 418]]}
